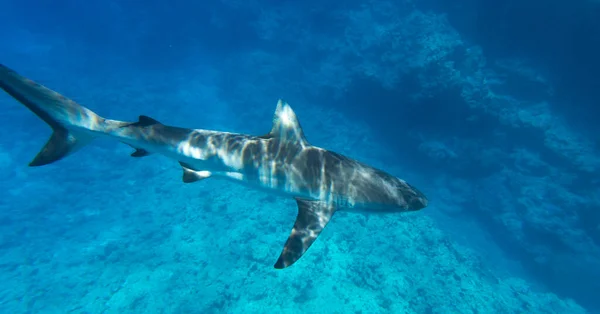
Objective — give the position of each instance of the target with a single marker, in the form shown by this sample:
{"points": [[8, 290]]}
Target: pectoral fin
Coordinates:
{"points": [[312, 217], [191, 175]]}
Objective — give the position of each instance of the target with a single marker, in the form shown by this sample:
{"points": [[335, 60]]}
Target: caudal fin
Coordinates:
{"points": [[73, 124]]}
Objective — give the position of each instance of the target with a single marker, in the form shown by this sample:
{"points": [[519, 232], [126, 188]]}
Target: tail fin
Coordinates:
{"points": [[73, 124]]}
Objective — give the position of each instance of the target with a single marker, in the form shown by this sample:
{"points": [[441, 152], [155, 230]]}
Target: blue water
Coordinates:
{"points": [[489, 107]]}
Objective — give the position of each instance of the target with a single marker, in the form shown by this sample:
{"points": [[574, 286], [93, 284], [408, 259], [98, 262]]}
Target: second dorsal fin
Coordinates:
{"points": [[145, 121], [286, 126]]}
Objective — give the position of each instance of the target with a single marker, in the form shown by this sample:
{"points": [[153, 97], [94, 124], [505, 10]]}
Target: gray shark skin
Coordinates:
{"points": [[281, 162]]}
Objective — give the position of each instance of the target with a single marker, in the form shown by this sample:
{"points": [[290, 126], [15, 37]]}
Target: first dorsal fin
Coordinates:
{"points": [[286, 126]]}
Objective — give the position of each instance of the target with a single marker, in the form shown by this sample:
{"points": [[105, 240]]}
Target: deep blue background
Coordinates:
{"points": [[490, 107]]}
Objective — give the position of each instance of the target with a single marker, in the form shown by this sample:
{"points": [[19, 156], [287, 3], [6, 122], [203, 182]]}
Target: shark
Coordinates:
{"points": [[281, 161]]}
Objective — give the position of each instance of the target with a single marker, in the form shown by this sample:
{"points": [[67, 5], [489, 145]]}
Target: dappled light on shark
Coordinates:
{"points": [[281, 162]]}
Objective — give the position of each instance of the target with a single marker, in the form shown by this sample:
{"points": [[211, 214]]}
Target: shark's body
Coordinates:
{"points": [[281, 161]]}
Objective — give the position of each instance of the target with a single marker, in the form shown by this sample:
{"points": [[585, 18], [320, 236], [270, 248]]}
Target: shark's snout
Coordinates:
{"points": [[417, 203], [417, 200]]}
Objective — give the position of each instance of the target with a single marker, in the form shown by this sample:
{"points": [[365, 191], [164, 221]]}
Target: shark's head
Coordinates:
{"points": [[377, 191]]}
